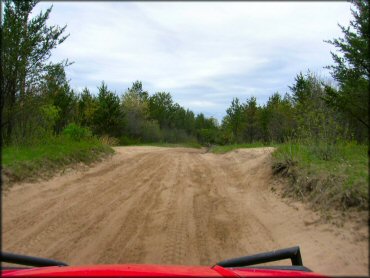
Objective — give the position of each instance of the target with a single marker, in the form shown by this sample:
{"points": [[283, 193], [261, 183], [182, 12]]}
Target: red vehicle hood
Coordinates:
{"points": [[132, 270]]}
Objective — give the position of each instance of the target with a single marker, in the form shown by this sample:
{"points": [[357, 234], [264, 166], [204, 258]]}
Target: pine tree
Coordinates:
{"points": [[234, 117], [352, 67]]}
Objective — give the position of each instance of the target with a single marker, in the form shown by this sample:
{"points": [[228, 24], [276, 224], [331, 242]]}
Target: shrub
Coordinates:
{"points": [[151, 131], [328, 175], [127, 141], [77, 132], [177, 136], [207, 136]]}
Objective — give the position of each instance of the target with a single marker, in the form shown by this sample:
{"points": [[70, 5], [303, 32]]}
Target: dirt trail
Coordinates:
{"points": [[173, 206]]}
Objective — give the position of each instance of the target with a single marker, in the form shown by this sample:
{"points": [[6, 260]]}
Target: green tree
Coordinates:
{"points": [[56, 88], [135, 107], [278, 122], [177, 116], [207, 129], [161, 107], [189, 122], [137, 89], [351, 67], [314, 118], [87, 105], [26, 49], [234, 118], [108, 114], [250, 126]]}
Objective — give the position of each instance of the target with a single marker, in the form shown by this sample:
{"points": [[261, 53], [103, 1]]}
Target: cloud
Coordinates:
{"points": [[204, 53]]}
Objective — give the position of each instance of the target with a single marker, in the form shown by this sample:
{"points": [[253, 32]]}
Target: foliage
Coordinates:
{"points": [[351, 69], [151, 131], [234, 117], [107, 116], [277, 119], [134, 104], [309, 113], [87, 105], [167, 145], [34, 122], [227, 148], [56, 88], [327, 175], [47, 125], [160, 107], [251, 127], [314, 118], [303, 114], [77, 132], [125, 140], [26, 49]]}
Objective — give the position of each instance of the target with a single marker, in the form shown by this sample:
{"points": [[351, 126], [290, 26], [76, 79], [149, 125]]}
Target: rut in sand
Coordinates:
{"points": [[172, 206]]}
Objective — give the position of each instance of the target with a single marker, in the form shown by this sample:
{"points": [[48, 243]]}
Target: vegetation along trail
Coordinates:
{"points": [[173, 206]]}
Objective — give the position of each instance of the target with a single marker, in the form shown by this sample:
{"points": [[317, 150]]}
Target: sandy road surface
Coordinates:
{"points": [[172, 206]]}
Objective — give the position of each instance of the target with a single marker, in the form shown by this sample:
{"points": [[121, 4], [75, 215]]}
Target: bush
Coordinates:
{"points": [[77, 132], [128, 141], [327, 175], [207, 136], [151, 131], [177, 136]]}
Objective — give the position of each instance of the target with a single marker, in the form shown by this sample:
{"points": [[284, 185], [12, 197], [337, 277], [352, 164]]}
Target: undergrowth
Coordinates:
{"points": [[168, 145], [231, 147], [329, 176], [44, 159]]}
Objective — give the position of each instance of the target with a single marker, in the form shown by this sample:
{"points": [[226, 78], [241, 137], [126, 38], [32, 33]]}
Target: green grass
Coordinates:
{"points": [[27, 162], [168, 145], [328, 175], [228, 148]]}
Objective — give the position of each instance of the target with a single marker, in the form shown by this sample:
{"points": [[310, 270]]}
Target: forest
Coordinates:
{"points": [[39, 107], [38, 102]]}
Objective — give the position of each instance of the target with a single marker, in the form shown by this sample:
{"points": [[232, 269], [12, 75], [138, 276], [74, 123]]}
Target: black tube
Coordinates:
{"points": [[28, 260], [282, 267], [292, 253]]}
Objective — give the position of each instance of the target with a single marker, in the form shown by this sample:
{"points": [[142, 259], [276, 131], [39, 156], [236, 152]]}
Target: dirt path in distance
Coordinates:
{"points": [[173, 206]]}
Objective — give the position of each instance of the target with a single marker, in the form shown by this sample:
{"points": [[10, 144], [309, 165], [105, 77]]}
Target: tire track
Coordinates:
{"points": [[173, 206], [175, 220], [79, 209], [51, 202]]}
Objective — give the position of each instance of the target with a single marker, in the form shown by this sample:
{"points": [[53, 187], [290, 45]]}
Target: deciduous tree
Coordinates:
{"points": [[26, 48]]}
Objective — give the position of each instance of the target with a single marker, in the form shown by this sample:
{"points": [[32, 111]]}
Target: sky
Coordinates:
{"points": [[203, 53]]}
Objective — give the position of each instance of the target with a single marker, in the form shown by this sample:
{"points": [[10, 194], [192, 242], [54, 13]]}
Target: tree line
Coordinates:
{"points": [[37, 100], [314, 109], [304, 113]]}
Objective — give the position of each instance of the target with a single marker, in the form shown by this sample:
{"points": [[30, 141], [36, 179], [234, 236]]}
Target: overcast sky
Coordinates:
{"points": [[203, 53]]}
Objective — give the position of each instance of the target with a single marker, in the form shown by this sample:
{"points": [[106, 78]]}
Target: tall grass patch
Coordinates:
{"points": [[227, 148], [28, 162], [327, 175]]}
